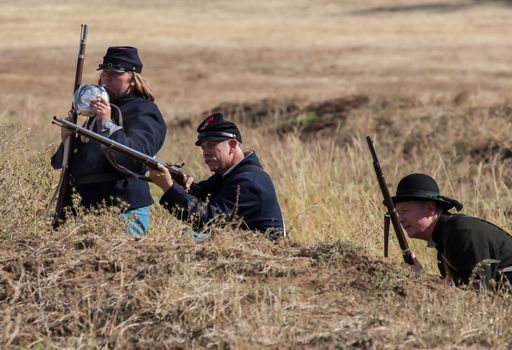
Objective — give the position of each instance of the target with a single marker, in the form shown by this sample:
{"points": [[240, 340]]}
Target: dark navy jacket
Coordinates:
{"points": [[463, 242], [246, 193], [143, 130]]}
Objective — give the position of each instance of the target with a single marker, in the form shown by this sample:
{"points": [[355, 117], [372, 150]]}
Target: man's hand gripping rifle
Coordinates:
{"points": [[111, 145], [392, 214]]}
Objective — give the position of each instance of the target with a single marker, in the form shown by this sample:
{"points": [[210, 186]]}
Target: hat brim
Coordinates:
{"points": [[443, 203], [117, 70], [213, 138]]}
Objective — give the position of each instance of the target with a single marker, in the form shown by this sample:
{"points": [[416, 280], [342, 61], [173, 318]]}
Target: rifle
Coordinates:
{"points": [[152, 162], [391, 214], [63, 187]]}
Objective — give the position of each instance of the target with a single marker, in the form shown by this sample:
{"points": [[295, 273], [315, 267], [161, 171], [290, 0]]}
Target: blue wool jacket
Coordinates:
{"points": [[143, 129], [246, 193]]}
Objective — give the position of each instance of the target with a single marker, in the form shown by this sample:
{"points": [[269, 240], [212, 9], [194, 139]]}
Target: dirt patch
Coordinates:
{"points": [[309, 121], [406, 124], [410, 133], [489, 151]]}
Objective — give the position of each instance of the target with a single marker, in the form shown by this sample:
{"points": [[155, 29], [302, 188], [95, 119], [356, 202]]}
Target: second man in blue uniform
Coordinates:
{"points": [[238, 191]]}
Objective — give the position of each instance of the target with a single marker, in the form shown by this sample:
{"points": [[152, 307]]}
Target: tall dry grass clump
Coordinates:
{"points": [[25, 185]]}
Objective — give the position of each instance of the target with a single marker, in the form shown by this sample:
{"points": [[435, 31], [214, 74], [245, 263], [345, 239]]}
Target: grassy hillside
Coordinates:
{"points": [[428, 80]]}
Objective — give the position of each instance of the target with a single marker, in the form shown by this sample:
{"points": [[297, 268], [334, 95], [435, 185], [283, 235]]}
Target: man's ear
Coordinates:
{"points": [[432, 206], [232, 144]]}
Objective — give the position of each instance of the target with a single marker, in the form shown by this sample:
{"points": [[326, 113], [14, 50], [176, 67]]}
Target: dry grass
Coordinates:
{"points": [[92, 286], [436, 79], [84, 289]]}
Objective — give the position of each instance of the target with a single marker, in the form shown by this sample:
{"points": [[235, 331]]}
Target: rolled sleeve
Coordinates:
{"points": [[107, 127]]}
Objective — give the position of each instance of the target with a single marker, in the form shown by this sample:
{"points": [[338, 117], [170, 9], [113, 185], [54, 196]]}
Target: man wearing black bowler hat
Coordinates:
{"points": [[239, 189], [136, 121], [469, 249]]}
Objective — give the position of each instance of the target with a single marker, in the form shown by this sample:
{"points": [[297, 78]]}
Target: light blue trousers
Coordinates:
{"points": [[138, 220]]}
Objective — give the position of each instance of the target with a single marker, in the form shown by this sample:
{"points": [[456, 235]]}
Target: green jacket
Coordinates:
{"points": [[464, 242]]}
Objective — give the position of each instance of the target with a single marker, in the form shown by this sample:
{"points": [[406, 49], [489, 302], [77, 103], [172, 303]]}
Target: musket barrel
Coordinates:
{"points": [[62, 192], [150, 161], [388, 202], [81, 56]]}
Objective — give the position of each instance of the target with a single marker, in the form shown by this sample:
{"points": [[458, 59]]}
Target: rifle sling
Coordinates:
{"points": [[124, 173], [112, 160]]}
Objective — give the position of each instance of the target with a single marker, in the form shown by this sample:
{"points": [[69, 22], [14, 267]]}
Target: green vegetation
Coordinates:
{"points": [[306, 118]]}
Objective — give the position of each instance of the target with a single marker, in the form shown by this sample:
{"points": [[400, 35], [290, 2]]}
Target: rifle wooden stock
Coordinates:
{"points": [[151, 162], [392, 213], [64, 185]]}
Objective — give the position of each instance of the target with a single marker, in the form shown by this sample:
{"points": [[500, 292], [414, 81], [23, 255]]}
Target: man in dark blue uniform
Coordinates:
{"points": [[239, 191], [470, 250], [107, 178]]}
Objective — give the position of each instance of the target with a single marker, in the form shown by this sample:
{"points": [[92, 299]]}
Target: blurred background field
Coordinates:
{"points": [[430, 81]]}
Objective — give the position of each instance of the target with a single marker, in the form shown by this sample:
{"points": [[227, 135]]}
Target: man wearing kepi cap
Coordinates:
{"points": [[470, 250], [239, 189], [135, 121]]}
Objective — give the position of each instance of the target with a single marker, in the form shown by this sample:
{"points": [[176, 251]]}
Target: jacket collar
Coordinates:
{"points": [[250, 158], [436, 235]]}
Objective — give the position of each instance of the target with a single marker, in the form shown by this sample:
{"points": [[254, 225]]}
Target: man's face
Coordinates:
{"points": [[217, 155], [116, 84], [417, 217]]}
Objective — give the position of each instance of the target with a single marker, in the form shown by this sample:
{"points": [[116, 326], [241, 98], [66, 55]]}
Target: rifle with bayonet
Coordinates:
{"points": [[63, 189], [391, 214], [111, 145]]}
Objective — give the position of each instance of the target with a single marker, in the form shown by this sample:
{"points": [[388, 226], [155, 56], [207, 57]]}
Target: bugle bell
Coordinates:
{"points": [[83, 97]]}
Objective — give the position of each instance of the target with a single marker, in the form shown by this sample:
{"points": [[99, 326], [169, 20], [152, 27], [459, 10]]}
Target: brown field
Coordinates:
{"points": [[429, 80]]}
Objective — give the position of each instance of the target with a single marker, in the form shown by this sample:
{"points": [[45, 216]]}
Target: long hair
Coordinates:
{"points": [[142, 86]]}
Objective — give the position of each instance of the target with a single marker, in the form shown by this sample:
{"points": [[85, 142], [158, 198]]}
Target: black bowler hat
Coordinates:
{"points": [[121, 59], [421, 187], [215, 128]]}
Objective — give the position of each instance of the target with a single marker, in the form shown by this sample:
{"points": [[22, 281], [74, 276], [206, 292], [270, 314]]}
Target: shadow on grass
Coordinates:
{"points": [[437, 7]]}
